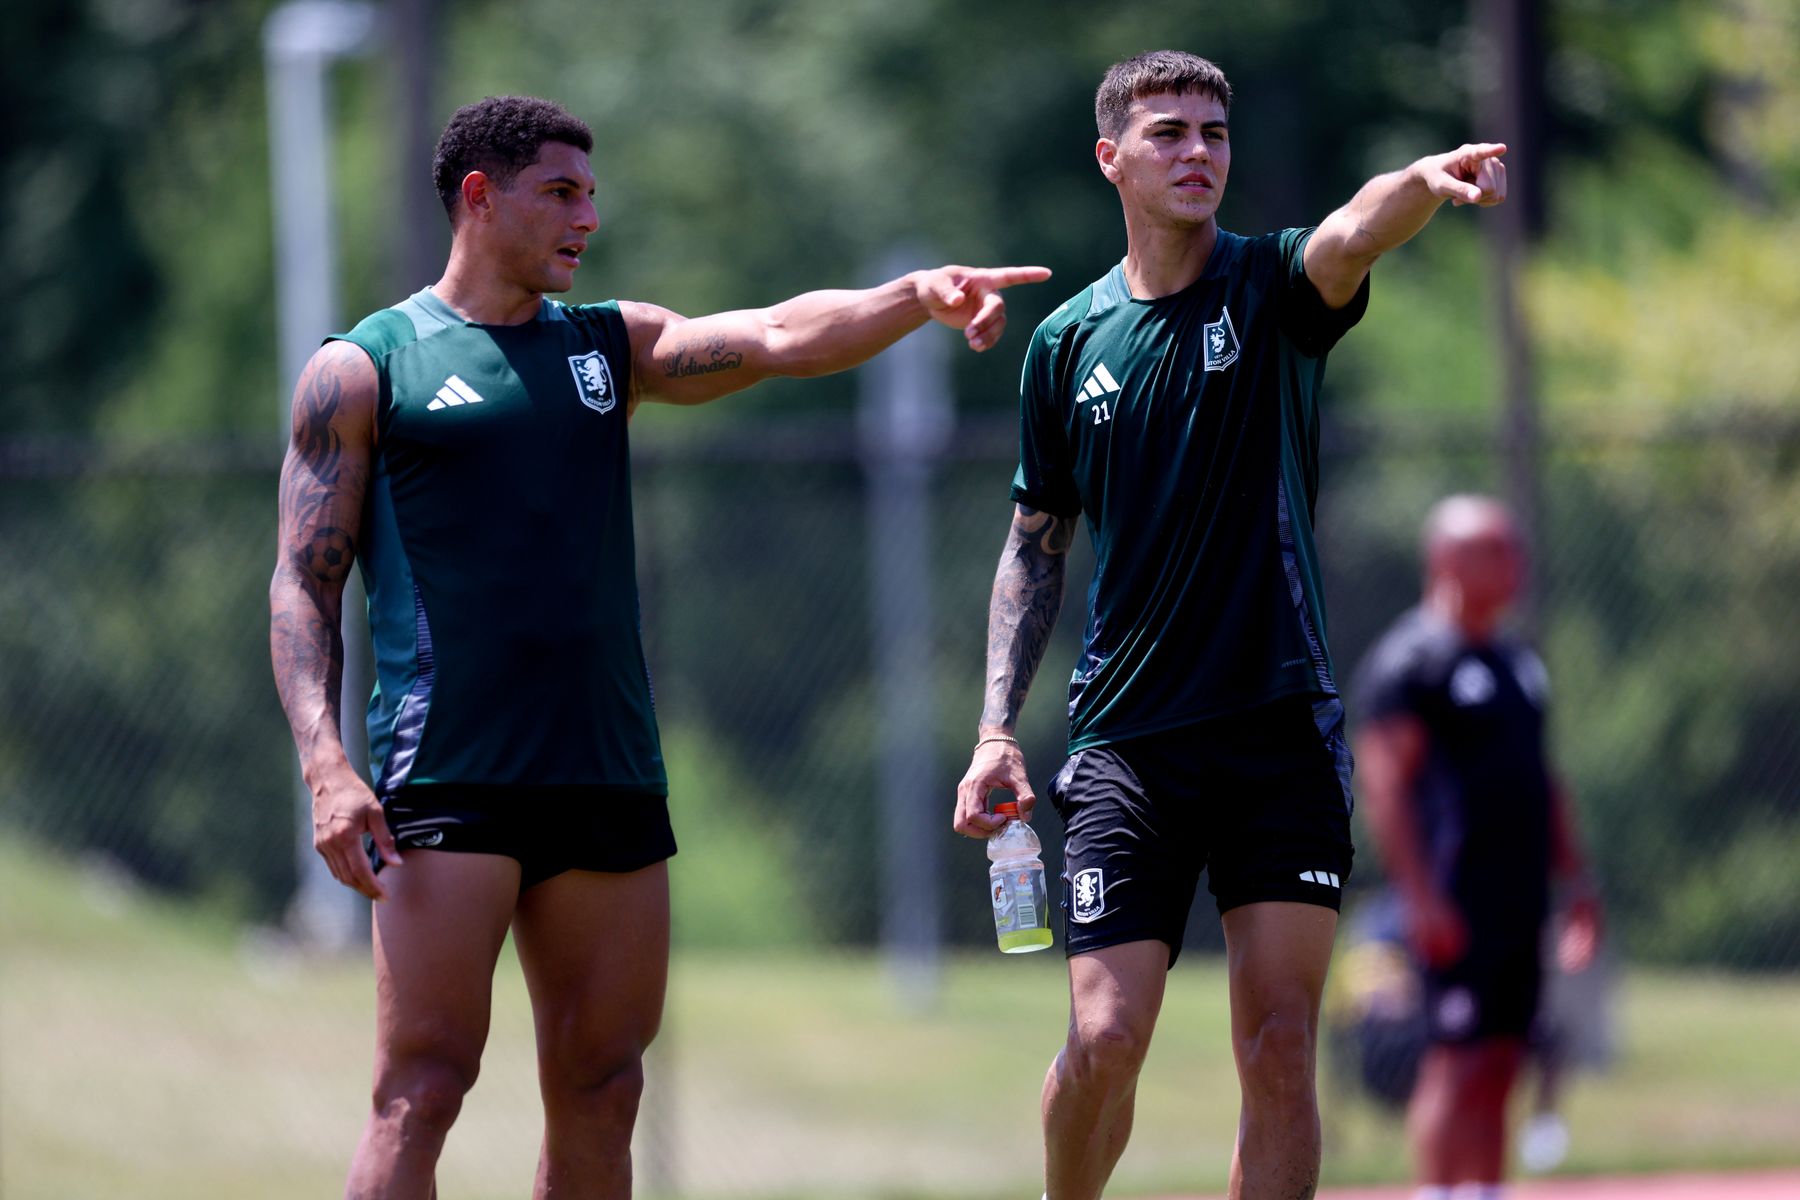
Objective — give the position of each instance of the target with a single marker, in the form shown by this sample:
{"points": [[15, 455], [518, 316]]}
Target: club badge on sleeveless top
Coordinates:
{"points": [[593, 379], [1221, 342]]}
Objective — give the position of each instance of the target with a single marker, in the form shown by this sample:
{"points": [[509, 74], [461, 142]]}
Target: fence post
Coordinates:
{"points": [[905, 414], [1505, 107], [300, 42]]}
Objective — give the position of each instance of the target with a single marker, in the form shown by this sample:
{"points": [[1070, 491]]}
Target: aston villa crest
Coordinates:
{"points": [[1089, 887], [593, 379], [1221, 342]]}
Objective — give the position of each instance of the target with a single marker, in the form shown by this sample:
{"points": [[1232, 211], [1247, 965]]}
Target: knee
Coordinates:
{"points": [[1276, 1059], [605, 1087], [1481, 1077], [1106, 1053], [424, 1094]]}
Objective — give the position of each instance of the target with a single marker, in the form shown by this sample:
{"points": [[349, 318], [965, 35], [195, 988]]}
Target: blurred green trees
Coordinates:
{"points": [[747, 150]]}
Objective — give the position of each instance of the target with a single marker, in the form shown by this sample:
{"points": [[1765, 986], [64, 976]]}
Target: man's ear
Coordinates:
{"points": [[477, 195], [1106, 153]]}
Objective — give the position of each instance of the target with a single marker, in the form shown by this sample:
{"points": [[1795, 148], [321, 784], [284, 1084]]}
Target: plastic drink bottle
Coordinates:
{"points": [[1016, 883]]}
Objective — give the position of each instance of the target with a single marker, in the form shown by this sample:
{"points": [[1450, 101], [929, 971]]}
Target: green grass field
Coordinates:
{"points": [[150, 1052]]}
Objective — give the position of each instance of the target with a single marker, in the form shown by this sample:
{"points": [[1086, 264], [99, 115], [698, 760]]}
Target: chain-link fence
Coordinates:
{"points": [[139, 727]]}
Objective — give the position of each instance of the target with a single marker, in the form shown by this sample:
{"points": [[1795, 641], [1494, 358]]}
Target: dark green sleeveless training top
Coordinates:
{"points": [[498, 555], [1186, 429]]}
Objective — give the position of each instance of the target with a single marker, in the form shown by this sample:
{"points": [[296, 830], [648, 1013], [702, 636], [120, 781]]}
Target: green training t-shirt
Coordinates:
{"points": [[1185, 429], [498, 553]]}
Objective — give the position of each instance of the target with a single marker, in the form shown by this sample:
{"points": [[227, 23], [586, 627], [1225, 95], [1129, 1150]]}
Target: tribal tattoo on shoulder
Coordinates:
{"points": [[1028, 596], [701, 356]]}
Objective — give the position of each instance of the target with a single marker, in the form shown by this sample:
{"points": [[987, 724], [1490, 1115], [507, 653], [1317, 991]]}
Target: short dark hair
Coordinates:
{"points": [[500, 136], [1150, 73]]}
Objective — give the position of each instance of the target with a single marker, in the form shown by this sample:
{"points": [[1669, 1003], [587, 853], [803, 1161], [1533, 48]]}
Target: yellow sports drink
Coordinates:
{"points": [[1016, 883]]}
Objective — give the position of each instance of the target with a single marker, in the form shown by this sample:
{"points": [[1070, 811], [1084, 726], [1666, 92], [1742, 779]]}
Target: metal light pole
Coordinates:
{"points": [[423, 235], [1507, 112], [300, 42], [905, 419]]}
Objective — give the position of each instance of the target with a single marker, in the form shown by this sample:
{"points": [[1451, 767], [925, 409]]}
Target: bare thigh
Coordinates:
{"points": [[595, 950], [437, 937], [1117, 991], [1276, 954]]}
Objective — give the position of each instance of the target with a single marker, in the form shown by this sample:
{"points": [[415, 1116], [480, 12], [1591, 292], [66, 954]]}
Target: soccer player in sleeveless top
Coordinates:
{"points": [[1472, 826], [1173, 402], [469, 448]]}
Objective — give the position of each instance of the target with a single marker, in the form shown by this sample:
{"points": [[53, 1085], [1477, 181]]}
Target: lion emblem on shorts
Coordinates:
{"points": [[1089, 889]]}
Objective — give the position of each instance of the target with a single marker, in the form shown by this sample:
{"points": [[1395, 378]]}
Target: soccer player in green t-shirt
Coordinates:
{"points": [[468, 446], [1174, 403]]}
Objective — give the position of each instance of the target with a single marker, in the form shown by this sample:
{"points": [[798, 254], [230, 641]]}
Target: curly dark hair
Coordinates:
{"points": [[1156, 71], [500, 136]]}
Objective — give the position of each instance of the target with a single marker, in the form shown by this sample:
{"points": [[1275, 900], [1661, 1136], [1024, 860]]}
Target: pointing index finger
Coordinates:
{"points": [[1008, 276]]}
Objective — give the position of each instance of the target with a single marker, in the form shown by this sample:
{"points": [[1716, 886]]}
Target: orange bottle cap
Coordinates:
{"points": [[1007, 808]]}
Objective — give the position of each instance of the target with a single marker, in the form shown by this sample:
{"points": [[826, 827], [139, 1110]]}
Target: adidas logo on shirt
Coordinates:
{"points": [[1328, 878], [454, 393], [1100, 383]]}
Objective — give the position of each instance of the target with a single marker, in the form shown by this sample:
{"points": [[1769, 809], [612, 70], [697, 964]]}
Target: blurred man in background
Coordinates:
{"points": [[1174, 402], [1472, 826], [469, 447]]}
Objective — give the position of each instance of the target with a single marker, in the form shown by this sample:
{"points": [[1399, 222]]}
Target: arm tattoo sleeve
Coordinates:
{"points": [[320, 501], [1028, 595]]}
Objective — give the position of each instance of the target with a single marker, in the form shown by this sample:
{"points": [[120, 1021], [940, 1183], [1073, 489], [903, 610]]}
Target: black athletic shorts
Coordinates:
{"points": [[549, 830], [1259, 799], [1493, 991]]}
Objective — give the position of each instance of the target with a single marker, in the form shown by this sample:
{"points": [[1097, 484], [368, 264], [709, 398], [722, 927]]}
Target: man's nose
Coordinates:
{"points": [[588, 219]]}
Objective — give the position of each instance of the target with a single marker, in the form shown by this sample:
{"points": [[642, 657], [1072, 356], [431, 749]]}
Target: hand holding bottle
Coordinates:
{"points": [[1016, 884]]}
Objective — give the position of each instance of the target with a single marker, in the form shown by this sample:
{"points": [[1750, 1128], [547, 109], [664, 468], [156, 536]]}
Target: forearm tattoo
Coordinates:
{"points": [[321, 492], [701, 356], [1028, 595]]}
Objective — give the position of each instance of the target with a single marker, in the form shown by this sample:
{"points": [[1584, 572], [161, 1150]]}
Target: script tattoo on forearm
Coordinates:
{"points": [[1028, 595], [701, 356], [306, 642]]}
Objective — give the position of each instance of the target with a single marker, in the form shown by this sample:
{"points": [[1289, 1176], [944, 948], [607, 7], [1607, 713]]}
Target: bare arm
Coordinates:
{"points": [[681, 360], [1389, 209], [323, 478], [1028, 595], [1390, 754], [1580, 938]]}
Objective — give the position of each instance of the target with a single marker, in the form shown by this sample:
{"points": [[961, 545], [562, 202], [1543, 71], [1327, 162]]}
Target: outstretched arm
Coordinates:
{"points": [[1028, 595], [1389, 209], [323, 478], [680, 360]]}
